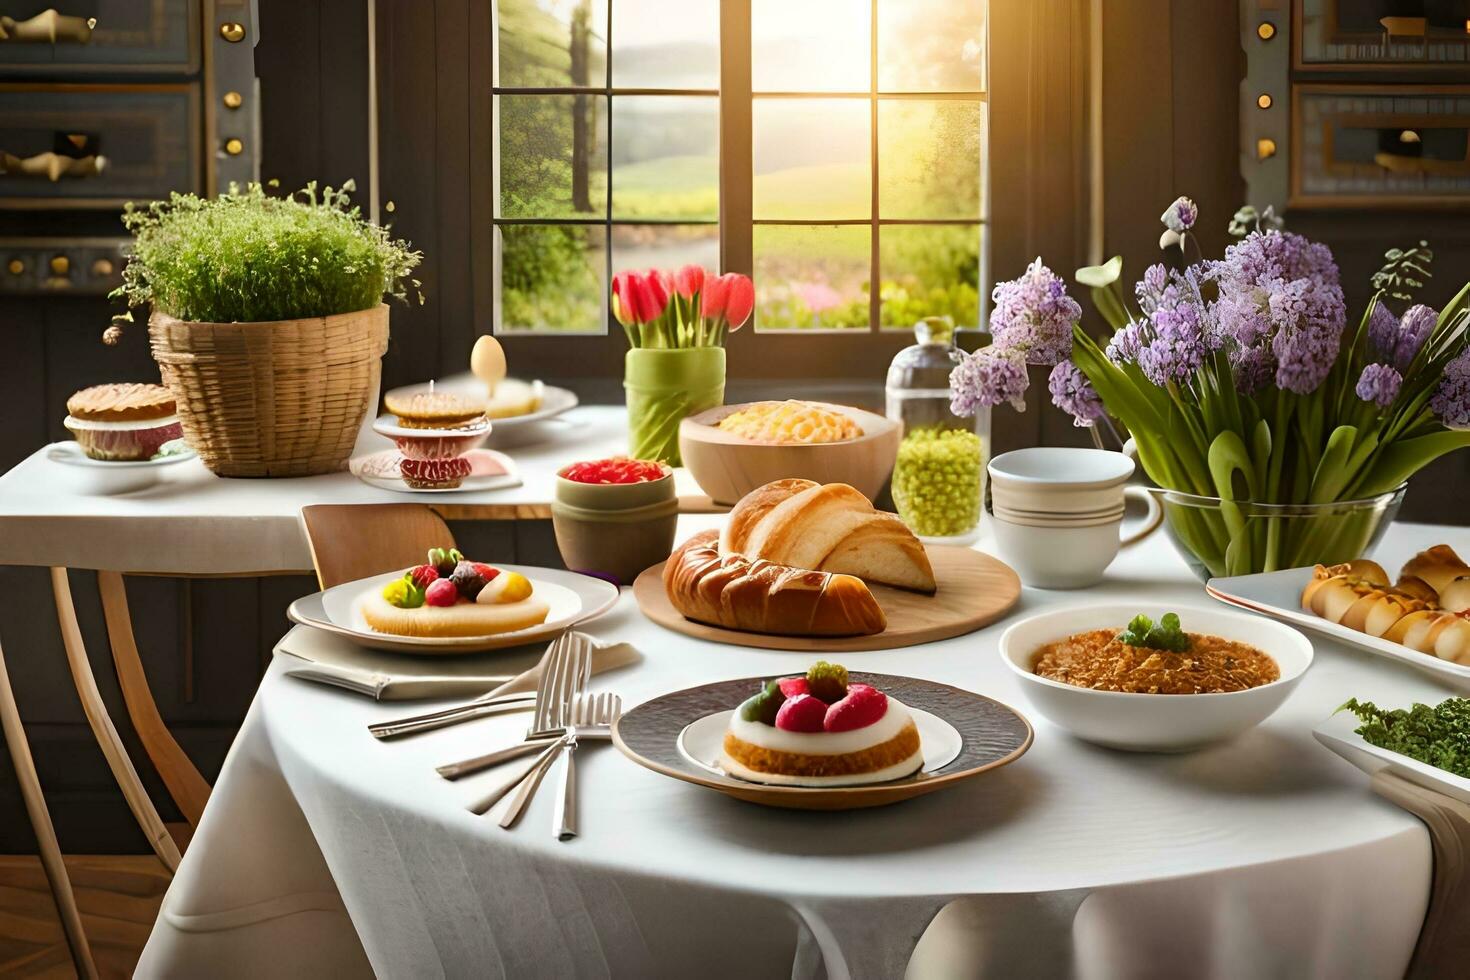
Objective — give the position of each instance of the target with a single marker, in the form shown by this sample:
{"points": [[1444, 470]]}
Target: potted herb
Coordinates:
{"points": [[676, 327], [268, 322]]}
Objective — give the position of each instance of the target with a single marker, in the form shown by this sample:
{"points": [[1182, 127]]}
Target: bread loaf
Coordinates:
{"points": [[1357, 596], [828, 527], [765, 597]]}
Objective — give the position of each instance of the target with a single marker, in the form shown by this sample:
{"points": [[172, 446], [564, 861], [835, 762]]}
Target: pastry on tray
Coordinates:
{"points": [[821, 729], [449, 596], [790, 422], [830, 528], [122, 422], [1427, 610]]}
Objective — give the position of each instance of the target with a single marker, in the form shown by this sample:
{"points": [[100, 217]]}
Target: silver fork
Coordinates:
{"points": [[595, 721], [592, 718]]}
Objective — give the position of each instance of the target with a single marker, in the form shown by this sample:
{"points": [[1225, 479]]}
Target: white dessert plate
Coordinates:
{"points": [[489, 470], [702, 741], [1278, 594], [573, 598], [114, 476], [1337, 733], [963, 733]]}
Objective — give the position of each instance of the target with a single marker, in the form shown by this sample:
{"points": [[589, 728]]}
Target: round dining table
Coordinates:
{"points": [[325, 852]]}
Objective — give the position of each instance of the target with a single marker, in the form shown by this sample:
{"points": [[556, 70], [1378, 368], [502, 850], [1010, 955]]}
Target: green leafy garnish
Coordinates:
{"points": [[827, 682], [762, 707], [1163, 635], [1439, 736]]}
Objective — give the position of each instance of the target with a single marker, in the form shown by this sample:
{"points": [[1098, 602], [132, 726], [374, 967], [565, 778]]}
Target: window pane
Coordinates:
{"points": [[812, 159], [542, 43], [931, 45], [666, 43], [551, 278], [929, 158], [929, 270], [665, 246], [810, 45], [811, 276], [666, 157], [553, 156]]}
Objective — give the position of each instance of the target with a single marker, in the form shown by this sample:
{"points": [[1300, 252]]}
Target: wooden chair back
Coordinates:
{"points": [[353, 541]]}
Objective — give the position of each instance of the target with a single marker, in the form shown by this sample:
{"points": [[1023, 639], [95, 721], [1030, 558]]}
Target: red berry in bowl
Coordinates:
{"points": [[423, 575], [864, 705], [802, 713], [441, 592]]}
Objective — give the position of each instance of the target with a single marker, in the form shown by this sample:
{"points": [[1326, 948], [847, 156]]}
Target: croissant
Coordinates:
{"points": [[764, 597], [1357, 595], [1437, 566]]}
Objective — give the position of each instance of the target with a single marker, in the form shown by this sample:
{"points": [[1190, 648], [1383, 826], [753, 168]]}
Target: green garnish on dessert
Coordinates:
{"points": [[403, 593], [762, 707], [827, 682], [1163, 635], [936, 481], [1439, 736]]}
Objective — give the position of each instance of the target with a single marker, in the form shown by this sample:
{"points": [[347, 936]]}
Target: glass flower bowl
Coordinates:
{"points": [[1218, 537]]}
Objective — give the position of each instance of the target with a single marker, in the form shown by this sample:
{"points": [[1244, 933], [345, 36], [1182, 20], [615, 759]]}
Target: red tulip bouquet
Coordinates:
{"points": [[675, 367]]}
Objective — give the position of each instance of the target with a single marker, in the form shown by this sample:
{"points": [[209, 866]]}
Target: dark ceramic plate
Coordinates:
{"points": [[991, 735]]}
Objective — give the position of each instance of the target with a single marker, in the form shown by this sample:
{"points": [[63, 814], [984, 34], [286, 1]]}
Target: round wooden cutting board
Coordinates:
{"points": [[974, 591]]}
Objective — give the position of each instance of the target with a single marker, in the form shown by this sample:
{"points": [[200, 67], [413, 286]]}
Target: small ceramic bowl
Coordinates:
{"points": [[614, 530], [1155, 722]]}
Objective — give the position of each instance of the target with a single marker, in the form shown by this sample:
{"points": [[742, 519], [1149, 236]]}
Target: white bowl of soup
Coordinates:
{"points": [[1082, 674]]}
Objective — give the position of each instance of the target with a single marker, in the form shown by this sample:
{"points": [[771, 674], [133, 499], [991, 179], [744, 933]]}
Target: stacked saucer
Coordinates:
{"points": [[1058, 511]]}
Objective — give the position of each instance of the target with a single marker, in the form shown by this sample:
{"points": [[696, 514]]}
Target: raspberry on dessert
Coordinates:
{"points": [[423, 575], [827, 681], [802, 713], [792, 686], [864, 705], [441, 592]]}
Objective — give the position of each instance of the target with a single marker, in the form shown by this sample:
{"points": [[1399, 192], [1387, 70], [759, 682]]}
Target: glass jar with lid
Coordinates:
{"points": [[939, 476]]}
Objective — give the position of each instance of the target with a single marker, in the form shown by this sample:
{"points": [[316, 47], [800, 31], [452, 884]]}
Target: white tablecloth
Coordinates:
{"points": [[1267, 856]]}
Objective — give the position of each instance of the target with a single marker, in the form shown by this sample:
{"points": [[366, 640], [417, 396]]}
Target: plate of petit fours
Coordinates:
{"points": [[1422, 618], [451, 604], [815, 567], [825, 739]]}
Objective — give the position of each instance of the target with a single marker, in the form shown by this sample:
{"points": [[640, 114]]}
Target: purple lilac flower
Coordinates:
{"points": [[1172, 340], [1451, 401], [1383, 330], [1379, 384], [1279, 290], [1151, 287], [1073, 393], [1035, 315], [1180, 216], [1399, 342], [989, 376]]}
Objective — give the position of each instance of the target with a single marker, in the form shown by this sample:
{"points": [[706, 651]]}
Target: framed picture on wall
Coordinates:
{"points": [[1367, 146], [1358, 35]]}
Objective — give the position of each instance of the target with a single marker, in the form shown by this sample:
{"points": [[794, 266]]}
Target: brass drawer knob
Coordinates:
{"points": [[1265, 148], [1264, 100], [234, 147], [16, 267], [233, 100], [232, 31], [60, 265], [1265, 30], [102, 268]]}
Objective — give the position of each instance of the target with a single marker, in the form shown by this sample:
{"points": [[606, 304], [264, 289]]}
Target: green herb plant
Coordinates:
{"points": [[247, 256], [1163, 635], [1439, 736]]}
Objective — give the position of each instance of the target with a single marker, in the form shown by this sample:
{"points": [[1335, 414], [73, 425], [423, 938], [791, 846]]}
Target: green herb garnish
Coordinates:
{"points": [[1439, 736], [1163, 635]]}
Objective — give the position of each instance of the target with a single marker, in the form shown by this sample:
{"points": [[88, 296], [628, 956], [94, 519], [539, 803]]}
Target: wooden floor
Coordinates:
{"points": [[119, 897]]}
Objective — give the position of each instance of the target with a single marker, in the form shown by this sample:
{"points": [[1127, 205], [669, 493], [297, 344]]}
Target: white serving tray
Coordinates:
{"points": [[1278, 594], [1337, 733]]}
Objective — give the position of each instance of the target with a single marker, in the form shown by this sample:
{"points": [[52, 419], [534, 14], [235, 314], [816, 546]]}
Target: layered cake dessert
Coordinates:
{"points": [[433, 431], [449, 595], [820, 729], [122, 422]]}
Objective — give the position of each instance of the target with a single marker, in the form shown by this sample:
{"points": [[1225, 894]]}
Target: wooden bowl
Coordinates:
{"points": [[728, 467]]}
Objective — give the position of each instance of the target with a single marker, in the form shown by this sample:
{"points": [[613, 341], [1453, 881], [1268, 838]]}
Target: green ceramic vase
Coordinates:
{"points": [[663, 387]]}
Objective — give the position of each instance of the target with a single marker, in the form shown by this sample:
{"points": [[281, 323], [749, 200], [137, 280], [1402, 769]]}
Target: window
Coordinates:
{"points": [[846, 148]]}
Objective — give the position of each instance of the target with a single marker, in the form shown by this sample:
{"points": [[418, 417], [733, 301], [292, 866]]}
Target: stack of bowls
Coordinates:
{"points": [[1058, 511]]}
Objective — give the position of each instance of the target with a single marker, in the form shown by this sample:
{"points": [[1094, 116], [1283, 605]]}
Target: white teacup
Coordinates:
{"points": [[1065, 555], [1059, 480]]}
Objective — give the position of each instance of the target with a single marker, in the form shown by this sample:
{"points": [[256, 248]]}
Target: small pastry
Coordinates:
{"points": [[1455, 597], [435, 410], [1416, 587], [1438, 566], [122, 422], [449, 595]]}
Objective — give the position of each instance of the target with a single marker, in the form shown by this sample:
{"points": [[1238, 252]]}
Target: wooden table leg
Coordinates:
{"points": [[102, 729], [188, 788], [30, 790], [1444, 942]]}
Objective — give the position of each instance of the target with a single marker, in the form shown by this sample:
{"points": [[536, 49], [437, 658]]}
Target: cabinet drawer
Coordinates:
{"points": [[130, 35], [51, 136]]}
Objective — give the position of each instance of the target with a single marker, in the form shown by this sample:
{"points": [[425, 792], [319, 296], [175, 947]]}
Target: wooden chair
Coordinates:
{"points": [[353, 541]]}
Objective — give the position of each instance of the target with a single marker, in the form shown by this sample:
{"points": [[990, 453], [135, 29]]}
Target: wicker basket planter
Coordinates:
{"points": [[283, 398]]}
